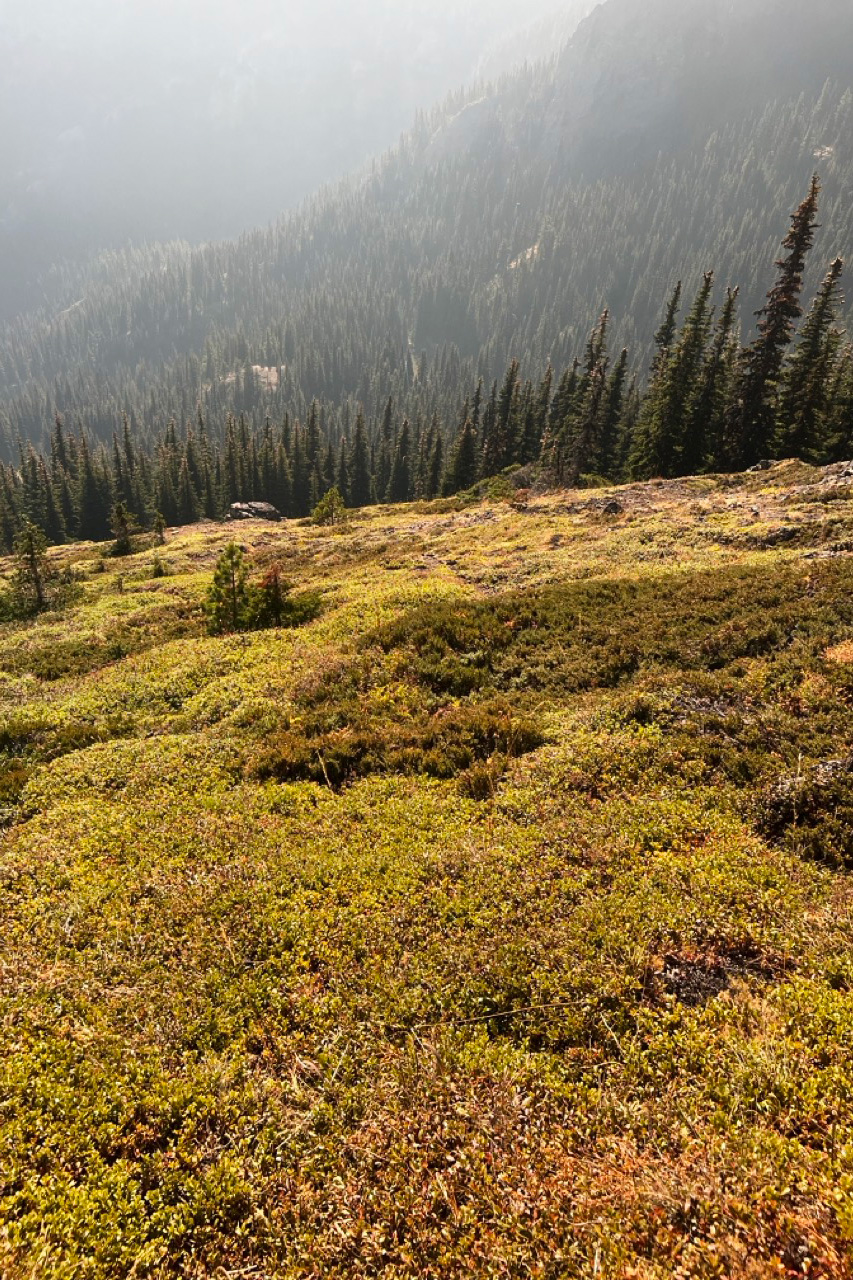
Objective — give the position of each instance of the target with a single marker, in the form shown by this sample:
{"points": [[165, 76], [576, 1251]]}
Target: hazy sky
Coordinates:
{"points": [[198, 118]]}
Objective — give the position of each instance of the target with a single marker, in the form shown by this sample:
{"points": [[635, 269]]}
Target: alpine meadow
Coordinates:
{"points": [[426, 644]]}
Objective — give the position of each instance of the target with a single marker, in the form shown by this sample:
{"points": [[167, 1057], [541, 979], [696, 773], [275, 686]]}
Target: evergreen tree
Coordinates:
{"points": [[187, 501], [121, 529], [839, 425], [808, 382], [665, 335], [54, 521], [436, 467], [559, 422], [381, 464], [536, 419], [58, 452], [35, 496], [584, 426], [399, 483], [387, 427], [422, 469], [9, 518], [660, 443], [359, 466], [476, 407], [301, 476], [625, 431], [232, 479], [611, 418], [283, 500], [128, 448], [329, 468], [508, 419], [330, 510], [93, 504], [462, 471], [31, 568], [751, 420], [165, 497], [342, 480], [120, 489], [490, 455], [316, 486], [708, 418], [228, 598], [648, 440]]}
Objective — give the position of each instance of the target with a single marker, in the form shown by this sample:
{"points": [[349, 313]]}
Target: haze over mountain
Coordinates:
{"points": [[640, 79], [161, 121], [500, 228], [650, 77]]}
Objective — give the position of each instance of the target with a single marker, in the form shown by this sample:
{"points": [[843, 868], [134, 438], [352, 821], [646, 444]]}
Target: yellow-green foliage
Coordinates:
{"points": [[497, 922]]}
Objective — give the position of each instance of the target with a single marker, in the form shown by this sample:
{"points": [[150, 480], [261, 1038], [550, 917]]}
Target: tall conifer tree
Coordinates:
{"points": [[751, 421]]}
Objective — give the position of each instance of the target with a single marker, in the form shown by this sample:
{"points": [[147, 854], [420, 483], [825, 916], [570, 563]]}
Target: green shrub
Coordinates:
{"points": [[234, 604], [443, 745], [14, 776], [586, 635], [482, 780]]}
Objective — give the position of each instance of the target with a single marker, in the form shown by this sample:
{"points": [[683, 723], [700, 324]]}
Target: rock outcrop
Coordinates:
{"points": [[253, 511]]}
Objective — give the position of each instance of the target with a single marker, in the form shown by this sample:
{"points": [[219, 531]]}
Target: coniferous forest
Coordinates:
{"points": [[516, 234], [576, 281], [708, 402]]}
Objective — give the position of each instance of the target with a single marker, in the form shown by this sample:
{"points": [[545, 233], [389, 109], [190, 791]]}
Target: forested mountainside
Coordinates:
{"points": [[711, 404], [542, 40], [486, 237], [472, 263], [641, 79], [152, 120]]}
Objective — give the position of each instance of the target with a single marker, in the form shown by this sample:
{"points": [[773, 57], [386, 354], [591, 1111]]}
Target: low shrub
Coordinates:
{"points": [[811, 812], [235, 604], [443, 745], [574, 636], [14, 776], [58, 659], [482, 780]]}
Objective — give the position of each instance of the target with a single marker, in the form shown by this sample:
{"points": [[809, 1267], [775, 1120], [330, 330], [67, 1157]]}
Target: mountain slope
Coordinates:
{"points": [[644, 78], [148, 121], [491, 1006], [480, 238]]}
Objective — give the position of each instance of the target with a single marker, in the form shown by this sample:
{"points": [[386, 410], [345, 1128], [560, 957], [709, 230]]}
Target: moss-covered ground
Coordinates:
{"points": [[496, 923]]}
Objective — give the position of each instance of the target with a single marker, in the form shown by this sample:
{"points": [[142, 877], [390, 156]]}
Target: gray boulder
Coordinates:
{"points": [[253, 511]]}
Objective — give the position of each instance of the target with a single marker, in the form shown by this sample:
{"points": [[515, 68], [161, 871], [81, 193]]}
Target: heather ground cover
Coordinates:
{"points": [[497, 922]]}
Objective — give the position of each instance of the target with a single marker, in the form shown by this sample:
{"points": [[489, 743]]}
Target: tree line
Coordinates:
{"points": [[432, 272], [709, 403]]}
